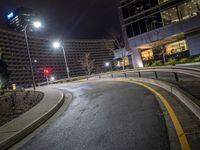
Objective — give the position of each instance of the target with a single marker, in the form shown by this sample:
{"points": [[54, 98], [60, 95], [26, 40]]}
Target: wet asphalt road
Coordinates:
{"points": [[106, 116]]}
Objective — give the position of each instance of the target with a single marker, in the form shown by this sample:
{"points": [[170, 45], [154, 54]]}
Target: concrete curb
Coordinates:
{"points": [[187, 99], [18, 128]]}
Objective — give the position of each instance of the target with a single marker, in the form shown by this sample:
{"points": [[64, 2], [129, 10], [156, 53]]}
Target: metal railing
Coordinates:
{"points": [[193, 72]]}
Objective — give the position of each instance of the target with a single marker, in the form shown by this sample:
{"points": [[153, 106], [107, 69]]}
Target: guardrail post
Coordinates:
{"points": [[156, 75], [176, 77], [125, 75], [139, 74]]}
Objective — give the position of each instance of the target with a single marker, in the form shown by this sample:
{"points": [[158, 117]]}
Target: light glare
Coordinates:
{"points": [[10, 15], [37, 24], [107, 64], [52, 78], [56, 44]]}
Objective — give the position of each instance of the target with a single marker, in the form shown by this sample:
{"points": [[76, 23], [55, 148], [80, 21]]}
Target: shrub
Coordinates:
{"points": [[147, 65], [197, 59], [185, 60], [171, 61], [156, 63]]}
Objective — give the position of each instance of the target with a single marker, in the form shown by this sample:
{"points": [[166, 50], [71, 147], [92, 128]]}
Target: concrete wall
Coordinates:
{"points": [[136, 58], [193, 42]]}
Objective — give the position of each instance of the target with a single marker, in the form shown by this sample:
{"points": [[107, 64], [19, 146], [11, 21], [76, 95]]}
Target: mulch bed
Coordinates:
{"points": [[13, 104]]}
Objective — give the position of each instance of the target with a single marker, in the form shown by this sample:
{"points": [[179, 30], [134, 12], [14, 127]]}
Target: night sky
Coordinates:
{"points": [[70, 18]]}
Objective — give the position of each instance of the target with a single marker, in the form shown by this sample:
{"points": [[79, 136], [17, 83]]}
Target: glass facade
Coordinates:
{"points": [[144, 25], [189, 9], [167, 16], [138, 6], [162, 1]]}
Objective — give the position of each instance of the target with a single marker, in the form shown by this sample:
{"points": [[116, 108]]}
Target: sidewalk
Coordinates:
{"points": [[18, 128]]}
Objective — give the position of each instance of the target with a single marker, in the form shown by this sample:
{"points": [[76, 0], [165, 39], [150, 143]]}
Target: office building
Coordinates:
{"points": [[19, 18], [157, 28], [13, 47]]}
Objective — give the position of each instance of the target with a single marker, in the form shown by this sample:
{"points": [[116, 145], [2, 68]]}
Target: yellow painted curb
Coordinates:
{"points": [[179, 130]]}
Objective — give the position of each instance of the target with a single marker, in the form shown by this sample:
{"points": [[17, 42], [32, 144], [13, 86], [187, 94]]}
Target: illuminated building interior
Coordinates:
{"points": [[170, 48]]}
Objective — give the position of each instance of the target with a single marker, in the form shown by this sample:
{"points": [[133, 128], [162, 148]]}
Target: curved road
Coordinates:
{"points": [[106, 116]]}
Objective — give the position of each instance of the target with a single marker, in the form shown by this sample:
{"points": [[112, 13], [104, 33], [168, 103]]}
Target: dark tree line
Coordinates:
{"points": [[4, 73]]}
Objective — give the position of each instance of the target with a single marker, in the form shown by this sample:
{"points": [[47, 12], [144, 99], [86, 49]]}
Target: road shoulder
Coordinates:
{"points": [[189, 124]]}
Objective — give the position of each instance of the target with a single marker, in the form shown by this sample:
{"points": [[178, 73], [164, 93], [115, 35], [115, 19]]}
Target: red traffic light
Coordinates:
{"points": [[47, 71]]}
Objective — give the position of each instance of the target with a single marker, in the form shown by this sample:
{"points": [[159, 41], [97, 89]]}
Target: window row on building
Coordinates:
{"points": [[14, 50]]}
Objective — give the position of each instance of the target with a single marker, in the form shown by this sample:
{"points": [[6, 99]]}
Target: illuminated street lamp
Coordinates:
{"points": [[52, 78], [35, 24], [108, 64], [57, 45]]}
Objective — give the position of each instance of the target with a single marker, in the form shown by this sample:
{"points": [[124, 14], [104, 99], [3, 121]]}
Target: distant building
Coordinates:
{"points": [[17, 19], [13, 47], [154, 27]]}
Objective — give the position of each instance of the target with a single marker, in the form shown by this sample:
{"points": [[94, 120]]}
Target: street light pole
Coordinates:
{"points": [[108, 64], [66, 65], [111, 67], [29, 56], [57, 45], [36, 24]]}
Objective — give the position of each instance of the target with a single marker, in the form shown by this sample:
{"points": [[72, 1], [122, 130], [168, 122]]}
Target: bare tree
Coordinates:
{"points": [[119, 47], [158, 43], [156, 38], [87, 63]]}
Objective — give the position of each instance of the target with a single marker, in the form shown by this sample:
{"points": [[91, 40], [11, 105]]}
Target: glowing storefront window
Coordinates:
{"points": [[147, 54], [125, 60], [176, 47], [169, 16], [189, 9]]}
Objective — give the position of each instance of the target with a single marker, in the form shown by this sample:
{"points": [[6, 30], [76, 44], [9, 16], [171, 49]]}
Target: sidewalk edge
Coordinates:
{"points": [[31, 127]]}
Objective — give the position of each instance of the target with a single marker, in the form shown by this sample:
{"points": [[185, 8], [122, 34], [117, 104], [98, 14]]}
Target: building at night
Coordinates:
{"points": [[17, 19], [13, 47], [156, 27]]}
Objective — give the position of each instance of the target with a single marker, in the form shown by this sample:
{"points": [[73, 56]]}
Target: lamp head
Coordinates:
{"points": [[37, 24], [52, 78], [56, 44], [107, 64]]}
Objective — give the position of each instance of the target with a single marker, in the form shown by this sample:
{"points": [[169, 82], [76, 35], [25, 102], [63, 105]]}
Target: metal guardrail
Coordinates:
{"points": [[193, 72]]}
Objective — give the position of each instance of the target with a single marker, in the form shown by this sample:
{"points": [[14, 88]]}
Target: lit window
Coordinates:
{"points": [[189, 9], [162, 1], [169, 16], [176, 47], [147, 54]]}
